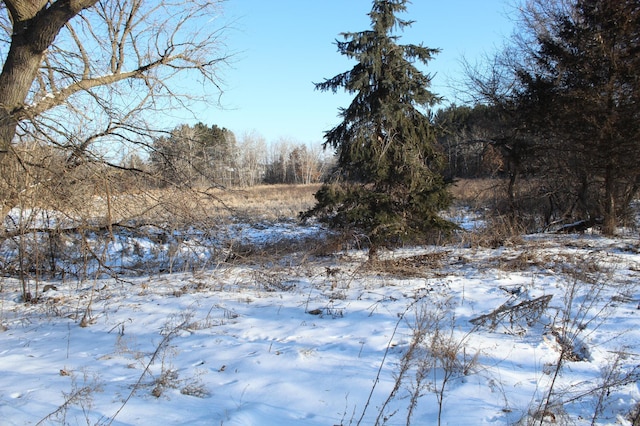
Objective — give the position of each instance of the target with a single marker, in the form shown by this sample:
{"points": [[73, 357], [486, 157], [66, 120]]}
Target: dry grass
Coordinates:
{"points": [[422, 265], [267, 201], [478, 193], [198, 206], [258, 203], [262, 202]]}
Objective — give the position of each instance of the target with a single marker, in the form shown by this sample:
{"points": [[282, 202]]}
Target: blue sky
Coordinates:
{"points": [[284, 46]]}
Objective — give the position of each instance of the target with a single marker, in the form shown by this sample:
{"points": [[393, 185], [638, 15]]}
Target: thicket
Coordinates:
{"points": [[564, 97], [556, 125]]}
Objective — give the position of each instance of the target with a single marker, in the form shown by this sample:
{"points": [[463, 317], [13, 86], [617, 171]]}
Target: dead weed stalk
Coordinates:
{"points": [[435, 357]]}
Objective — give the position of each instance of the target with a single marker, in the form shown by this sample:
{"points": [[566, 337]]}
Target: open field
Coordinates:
{"points": [[245, 323], [252, 204]]}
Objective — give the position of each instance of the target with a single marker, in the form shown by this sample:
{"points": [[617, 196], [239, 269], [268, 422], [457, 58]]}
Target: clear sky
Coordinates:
{"points": [[284, 46]]}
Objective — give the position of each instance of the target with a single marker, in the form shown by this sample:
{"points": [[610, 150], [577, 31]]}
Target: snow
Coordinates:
{"points": [[307, 340]]}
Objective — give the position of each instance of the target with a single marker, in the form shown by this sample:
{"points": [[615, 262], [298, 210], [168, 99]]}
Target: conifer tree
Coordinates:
{"points": [[580, 92], [387, 183]]}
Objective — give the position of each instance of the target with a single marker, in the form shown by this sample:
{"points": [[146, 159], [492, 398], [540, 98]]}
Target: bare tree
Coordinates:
{"points": [[85, 75], [279, 160], [294, 162], [252, 153]]}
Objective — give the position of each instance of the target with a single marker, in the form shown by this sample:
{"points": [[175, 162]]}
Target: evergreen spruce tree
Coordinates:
{"points": [[387, 183]]}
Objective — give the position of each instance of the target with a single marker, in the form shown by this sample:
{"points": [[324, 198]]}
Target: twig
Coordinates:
{"points": [[384, 357], [162, 344]]}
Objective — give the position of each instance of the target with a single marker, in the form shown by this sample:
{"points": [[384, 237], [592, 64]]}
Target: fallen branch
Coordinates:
{"points": [[528, 310]]}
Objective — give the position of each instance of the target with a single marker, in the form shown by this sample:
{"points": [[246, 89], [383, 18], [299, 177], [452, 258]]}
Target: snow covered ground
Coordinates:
{"points": [[304, 340]]}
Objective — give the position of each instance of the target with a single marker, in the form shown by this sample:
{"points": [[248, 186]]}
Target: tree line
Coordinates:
{"points": [[208, 156]]}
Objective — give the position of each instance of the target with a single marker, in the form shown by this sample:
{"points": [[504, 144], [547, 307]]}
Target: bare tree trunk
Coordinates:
{"points": [[35, 27], [610, 217], [511, 190], [17, 75]]}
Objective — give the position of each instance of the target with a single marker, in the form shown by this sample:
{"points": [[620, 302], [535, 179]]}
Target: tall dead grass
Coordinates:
{"points": [[262, 202], [478, 193], [266, 202], [193, 206], [257, 203]]}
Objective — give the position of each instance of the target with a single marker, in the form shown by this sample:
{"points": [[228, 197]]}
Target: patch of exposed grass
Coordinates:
{"points": [[424, 265]]}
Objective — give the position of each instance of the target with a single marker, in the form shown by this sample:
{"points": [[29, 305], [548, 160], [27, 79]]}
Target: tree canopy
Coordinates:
{"points": [[580, 94], [195, 155], [566, 93]]}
